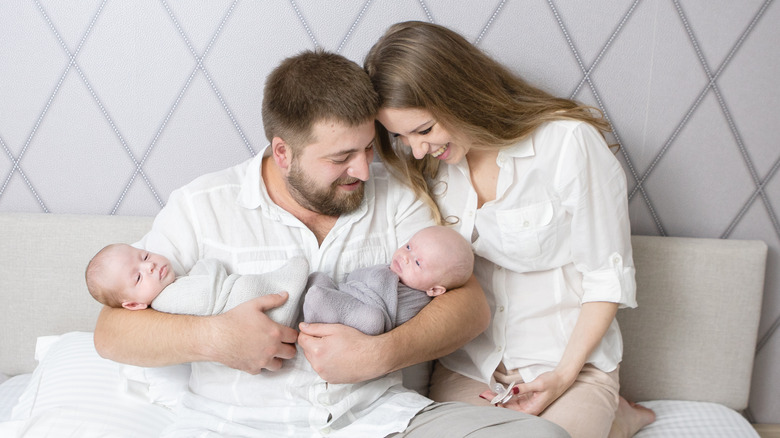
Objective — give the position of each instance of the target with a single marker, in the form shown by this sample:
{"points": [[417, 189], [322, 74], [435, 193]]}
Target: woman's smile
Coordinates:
{"points": [[439, 152]]}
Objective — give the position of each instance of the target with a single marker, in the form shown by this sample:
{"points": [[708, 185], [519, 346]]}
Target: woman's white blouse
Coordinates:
{"points": [[556, 236]]}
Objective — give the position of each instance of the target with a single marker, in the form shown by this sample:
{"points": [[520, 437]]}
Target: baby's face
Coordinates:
{"points": [[418, 264], [140, 274]]}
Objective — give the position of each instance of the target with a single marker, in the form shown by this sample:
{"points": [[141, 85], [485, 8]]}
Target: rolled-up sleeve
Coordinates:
{"points": [[615, 284], [592, 186]]}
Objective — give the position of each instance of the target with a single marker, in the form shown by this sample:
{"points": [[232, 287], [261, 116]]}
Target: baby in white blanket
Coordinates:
{"points": [[121, 275]]}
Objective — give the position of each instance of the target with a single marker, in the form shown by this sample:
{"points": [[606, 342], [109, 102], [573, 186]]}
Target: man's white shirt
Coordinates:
{"points": [[228, 216]]}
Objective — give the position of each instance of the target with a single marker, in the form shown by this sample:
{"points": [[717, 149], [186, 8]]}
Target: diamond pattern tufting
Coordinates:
{"points": [[107, 106]]}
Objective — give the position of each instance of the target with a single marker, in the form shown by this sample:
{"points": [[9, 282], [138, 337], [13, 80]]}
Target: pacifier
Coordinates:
{"points": [[503, 395]]}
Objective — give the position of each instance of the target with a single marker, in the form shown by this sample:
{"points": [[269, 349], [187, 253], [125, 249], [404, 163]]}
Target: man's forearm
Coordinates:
{"points": [[147, 337], [444, 325]]}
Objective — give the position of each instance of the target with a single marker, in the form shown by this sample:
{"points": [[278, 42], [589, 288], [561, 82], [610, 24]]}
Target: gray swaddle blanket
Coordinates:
{"points": [[370, 299], [209, 290]]}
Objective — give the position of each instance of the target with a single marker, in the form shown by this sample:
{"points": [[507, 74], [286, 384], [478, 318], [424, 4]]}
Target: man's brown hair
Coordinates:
{"points": [[311, 87]]}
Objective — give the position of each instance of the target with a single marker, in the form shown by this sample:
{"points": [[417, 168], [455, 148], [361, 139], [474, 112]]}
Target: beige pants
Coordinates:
{"points": [[585, 410]]}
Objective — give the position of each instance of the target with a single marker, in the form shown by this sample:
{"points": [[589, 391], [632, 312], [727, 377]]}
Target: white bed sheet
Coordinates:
{"points": [[693, 419], [674, 418]]}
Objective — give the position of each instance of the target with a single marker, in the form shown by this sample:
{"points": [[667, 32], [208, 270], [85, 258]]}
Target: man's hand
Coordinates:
{"points": [[342, 354], [245, 338]]}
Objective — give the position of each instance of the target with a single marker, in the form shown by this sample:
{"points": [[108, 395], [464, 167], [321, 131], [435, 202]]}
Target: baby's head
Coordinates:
{"points": [[434, 260], [124, 276]]}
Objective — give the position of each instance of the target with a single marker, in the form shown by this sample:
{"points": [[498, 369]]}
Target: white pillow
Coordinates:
{"points": [[161, 385], [10, 391], [77, 393]]}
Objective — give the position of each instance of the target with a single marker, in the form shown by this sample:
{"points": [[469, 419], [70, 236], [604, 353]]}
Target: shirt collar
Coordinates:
{"points": [[253, 193], [522, 149]]}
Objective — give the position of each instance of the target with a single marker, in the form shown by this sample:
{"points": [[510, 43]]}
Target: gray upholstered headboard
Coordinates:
{"points": [[44, 289], [702, 296], [107, 106]]}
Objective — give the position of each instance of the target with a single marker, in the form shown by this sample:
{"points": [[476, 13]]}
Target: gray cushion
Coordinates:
{"points": [[693, 335], [42, 264]]}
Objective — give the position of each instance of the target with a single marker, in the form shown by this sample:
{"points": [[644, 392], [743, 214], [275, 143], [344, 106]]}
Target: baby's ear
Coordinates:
{"points": [[134, 306], [436, 291]]}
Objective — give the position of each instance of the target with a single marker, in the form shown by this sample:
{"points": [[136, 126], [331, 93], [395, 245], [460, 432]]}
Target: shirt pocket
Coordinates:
{"points": [[525, 230], [366, 253], [260, 261]]}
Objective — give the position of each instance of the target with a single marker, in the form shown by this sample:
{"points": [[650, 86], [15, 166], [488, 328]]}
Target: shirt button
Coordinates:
{"points": [[499, 348], [324, 399], [500, 308], [325, 431], [616, 260], [526, 224]]}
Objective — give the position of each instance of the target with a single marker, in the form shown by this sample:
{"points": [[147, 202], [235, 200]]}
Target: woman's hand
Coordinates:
{"points": [[534, 397]]}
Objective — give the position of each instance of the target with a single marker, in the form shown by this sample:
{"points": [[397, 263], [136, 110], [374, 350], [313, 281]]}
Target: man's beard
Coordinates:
{"points": [[330, 201]]}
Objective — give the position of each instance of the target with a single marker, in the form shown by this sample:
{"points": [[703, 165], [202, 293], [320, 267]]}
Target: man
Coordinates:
{"points": [[309, 193]]}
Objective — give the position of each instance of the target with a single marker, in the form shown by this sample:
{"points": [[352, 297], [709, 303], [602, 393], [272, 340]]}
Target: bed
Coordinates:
{"points": [[689, 346]]}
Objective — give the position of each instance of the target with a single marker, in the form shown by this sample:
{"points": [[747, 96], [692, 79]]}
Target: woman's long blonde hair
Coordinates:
{"points": [[427, 66]]}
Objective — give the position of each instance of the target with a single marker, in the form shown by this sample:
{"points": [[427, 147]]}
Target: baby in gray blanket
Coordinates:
{"points": [[121, 275], [378, 298]]}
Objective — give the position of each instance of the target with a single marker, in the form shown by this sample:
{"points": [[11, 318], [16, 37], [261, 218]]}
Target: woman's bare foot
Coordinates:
{"points": [[629, 418]]}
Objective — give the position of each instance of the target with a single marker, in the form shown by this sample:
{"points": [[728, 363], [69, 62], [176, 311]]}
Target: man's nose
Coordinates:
{"points": [[359, 166]]}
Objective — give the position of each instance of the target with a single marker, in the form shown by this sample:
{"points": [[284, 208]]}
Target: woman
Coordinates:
{"points": [[529, 179]]}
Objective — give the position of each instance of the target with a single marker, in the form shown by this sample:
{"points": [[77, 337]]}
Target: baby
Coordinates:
{"points": [[121, 275], [377, 298], [373, 299]]}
